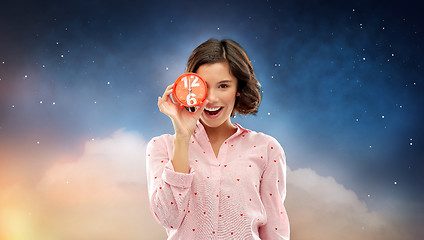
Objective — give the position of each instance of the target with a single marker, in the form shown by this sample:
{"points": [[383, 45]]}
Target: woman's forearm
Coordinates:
{"points": [[180, 155]]}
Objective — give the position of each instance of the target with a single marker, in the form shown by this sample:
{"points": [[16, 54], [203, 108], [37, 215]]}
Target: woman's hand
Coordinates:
{"points": [[184, 121]]}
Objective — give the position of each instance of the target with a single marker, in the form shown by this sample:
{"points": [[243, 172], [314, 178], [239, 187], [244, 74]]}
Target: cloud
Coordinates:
{"points": [[106, 169], [17, 213], [103, 195], [321, 208], [100, 195]]}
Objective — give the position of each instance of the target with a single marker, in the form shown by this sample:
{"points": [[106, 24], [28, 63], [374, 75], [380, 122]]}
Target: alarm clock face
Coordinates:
{"points": [[190, 90]]}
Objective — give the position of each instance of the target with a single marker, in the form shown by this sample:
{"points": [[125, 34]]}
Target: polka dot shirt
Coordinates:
{"points": [[238, 195]]}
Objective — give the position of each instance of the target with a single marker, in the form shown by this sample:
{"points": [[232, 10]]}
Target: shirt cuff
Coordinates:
{"points": [[177, 179]]}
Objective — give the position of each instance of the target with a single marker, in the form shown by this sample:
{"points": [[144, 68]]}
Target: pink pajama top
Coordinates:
{"points": [[237, 195]]}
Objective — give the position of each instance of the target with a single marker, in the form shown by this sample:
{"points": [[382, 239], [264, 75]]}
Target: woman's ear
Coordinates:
{"points": [[238, 94]]}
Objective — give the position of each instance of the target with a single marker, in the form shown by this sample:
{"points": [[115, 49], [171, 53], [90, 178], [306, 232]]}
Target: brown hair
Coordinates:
{"points": [[248, 87]]}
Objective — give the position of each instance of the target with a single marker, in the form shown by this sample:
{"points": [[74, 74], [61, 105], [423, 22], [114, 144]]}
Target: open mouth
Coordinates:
{"points": [[213, 111]]}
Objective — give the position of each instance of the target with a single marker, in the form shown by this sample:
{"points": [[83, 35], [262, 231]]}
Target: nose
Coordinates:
{"points": [[211, 96]]}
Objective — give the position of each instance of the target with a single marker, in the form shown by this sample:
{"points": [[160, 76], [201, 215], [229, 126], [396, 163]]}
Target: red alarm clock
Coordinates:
{"points": [[190, 90]]}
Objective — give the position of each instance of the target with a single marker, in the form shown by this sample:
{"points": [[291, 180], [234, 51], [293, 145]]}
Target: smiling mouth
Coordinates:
{"points": [[213, 111]]}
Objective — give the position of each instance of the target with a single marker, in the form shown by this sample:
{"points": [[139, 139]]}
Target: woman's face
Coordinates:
{"points": [[222, 90]]}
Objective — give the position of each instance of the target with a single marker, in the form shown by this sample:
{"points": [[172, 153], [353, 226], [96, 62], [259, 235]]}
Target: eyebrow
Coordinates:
{"points": [[225, 81]]}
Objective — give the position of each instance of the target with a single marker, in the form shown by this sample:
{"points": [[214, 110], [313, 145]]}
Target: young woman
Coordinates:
{"points": [[214, 179]]}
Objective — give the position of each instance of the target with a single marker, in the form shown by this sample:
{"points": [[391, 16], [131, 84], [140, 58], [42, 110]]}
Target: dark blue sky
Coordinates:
{"points": [[342, 80]]}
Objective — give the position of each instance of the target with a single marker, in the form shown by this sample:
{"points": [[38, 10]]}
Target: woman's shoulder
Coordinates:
{"points": [[261, 138], [259, 135]]}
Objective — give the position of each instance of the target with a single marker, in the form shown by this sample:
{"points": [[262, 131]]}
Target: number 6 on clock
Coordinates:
{"points": [[191, 100]]}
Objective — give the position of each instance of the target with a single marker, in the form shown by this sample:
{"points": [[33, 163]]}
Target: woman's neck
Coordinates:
{"points": [[220, 133]]}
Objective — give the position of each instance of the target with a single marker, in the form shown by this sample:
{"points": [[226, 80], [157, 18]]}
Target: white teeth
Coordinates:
{"points": [[212, 109]]}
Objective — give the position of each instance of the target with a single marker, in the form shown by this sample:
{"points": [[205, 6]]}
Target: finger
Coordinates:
{"points": [[167, 92], [201, 108], [163, 106], [167, 97], [160, 104]]}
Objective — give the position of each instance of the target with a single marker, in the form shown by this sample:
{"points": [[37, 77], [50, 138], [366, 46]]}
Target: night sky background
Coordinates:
{"points": [[342, 89]]}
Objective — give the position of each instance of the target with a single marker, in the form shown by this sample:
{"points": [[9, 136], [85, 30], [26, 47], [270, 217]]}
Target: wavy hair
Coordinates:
{"points": [[249, 96]]}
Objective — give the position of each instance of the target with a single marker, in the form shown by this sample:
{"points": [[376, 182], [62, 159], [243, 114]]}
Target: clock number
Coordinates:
{"points": [[193, 84], [185, 81], [191, 100]]}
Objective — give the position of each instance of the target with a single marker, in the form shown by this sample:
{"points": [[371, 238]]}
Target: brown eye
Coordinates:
{"points": [[223, 86]]}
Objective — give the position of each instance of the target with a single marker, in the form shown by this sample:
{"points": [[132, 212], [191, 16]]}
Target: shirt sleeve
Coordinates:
{"points": [[168, 190], [273, 194]]}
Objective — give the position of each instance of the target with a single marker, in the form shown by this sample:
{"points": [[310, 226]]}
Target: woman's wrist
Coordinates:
{"points": [[181, 138]]}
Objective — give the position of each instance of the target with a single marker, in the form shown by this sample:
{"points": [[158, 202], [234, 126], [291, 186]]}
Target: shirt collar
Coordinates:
{"points": [[200, 129]]}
